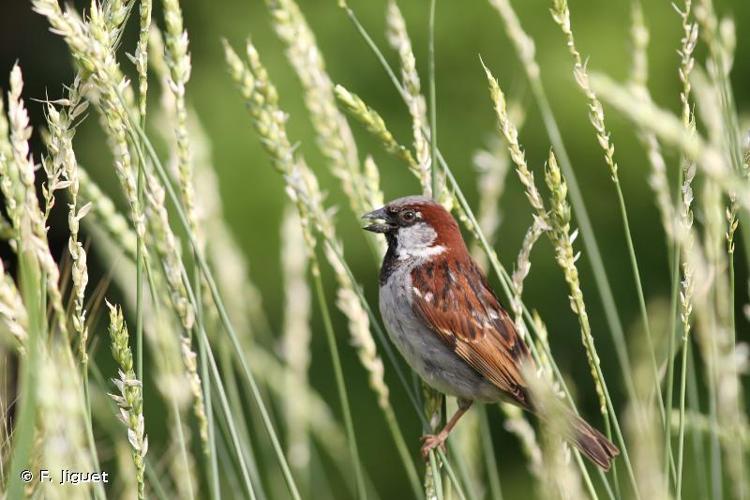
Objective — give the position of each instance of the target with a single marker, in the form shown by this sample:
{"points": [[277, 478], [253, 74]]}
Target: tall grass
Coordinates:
{"points": [[197, 401]]}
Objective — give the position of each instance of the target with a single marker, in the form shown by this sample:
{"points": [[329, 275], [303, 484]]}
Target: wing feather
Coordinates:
{"points": [[455, 301]]}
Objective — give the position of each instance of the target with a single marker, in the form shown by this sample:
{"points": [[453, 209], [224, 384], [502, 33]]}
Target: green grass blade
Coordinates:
{"points": [[235, 402], [403, 451], [339, 374], [488, 451], [213, 461], [183, 449], [433, 482], [32, 288], [433, 107], [668, 454]]}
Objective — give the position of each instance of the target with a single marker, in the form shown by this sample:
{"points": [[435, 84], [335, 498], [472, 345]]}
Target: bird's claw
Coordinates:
{"points": [[432, 441]]}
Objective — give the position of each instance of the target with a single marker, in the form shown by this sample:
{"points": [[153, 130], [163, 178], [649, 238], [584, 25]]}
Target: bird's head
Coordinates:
{"points": [[416, 226]]}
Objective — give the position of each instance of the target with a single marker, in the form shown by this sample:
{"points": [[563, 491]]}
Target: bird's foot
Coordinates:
{"points": [[432, 441]]}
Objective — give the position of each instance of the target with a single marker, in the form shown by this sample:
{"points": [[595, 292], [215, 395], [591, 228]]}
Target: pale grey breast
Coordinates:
{"points": [[440, 367]]}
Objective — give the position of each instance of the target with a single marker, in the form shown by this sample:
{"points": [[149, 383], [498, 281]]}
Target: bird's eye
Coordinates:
{"points": [[408, 215]]}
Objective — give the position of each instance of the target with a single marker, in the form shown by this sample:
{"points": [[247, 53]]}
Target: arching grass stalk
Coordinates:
{"points": [[213, 475], [563, 241], [60, 147], [561, 15], [398, 38], [139, 261], [116, 21], [203, 413], [525, 49], [269, 122], [559, 220], [179, 60], [686, 291], [660, 184], [178, 63], [710, 324], [334, 137], [141, 63]]}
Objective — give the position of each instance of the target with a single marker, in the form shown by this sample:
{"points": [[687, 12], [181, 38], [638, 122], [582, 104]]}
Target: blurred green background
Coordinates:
{"points": [[253, 193]]}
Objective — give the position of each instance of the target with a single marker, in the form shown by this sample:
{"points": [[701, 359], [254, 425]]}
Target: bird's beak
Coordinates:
{"points": [[382, 222]]}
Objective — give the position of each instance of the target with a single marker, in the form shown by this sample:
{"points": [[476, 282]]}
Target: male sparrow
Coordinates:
{"points": [[448, 324]]}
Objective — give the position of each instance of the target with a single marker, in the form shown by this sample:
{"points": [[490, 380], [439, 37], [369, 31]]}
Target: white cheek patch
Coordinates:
{"points": [[417, 242]]}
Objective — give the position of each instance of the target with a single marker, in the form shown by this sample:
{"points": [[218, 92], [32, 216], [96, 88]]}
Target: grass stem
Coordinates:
{"points": [[488, 452], [433, 480], [32, 287], [433, 108], [339, 374]]}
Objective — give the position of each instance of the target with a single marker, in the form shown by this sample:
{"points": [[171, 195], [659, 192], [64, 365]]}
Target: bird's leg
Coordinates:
{"points": [[432, 441]]}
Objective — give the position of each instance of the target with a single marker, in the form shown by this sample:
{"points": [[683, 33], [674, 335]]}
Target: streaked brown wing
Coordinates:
{"points": [[461, 309]]}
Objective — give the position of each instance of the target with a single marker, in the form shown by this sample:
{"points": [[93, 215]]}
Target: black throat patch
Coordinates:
{"points": [[389, 260]]}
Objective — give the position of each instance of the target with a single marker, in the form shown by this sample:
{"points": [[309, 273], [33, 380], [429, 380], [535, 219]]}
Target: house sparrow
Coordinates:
{"points": [[448, 324]]}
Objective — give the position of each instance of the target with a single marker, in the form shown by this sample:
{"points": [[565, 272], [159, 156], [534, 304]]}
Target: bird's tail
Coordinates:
{"points": [[592, 443]]}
